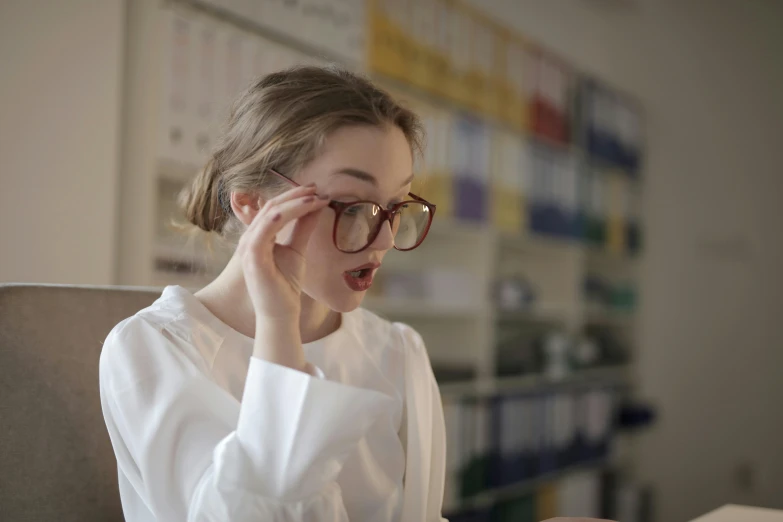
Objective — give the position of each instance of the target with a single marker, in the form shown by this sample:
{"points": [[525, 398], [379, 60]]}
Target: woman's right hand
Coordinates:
{"points": [[274, 272]]}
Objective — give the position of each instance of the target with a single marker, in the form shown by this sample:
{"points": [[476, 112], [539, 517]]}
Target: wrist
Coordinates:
{"points": [[279, 341]]}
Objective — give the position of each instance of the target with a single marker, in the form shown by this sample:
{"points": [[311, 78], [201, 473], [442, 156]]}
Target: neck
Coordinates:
{"points": [[227, 298]]}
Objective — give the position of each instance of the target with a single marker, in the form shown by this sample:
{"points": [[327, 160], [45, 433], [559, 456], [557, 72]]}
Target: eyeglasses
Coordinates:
{"points": [[358, 223]]}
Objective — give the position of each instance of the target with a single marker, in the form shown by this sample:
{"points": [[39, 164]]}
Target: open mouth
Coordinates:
{"points": [[360, 278]]}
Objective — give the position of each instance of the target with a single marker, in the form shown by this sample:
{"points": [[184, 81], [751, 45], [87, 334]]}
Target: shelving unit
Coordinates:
{"points": [[491, 497], [610, 375], [163, 150]]}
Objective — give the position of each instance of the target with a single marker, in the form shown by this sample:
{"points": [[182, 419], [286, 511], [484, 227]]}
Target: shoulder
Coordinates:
{"points": [[161, 339], [396, 336]]}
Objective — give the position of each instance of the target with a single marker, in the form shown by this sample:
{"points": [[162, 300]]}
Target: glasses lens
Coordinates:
{"points": [[359, 223], [356, 226], [411, 224]]}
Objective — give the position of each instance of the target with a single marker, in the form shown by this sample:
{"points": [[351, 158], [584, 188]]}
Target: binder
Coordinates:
{"points": [[565, 429], [480, 64], [561, 186], [572, 209], [547, 455], [597, 405], [387, 42], [546, 187], [515, 433], [583, 210], [522, 509], [470, 153], [595, 207], [525, 173], [617, 210], [515, 67], [423, 43], [579, 495], [633, 238], [440, 55], [435, 179], [546, 502], [506, 205], [452, 414], [460, 44], [550, 98], [477, 466]]}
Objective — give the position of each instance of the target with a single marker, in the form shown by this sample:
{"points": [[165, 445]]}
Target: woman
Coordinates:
{"points": [[269, 395]]}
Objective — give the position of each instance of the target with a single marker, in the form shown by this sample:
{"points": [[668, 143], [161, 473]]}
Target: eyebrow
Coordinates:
{"points": [[366, 176]]}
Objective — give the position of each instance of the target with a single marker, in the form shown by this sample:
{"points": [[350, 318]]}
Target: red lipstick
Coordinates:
{"points": [[359, 279]]}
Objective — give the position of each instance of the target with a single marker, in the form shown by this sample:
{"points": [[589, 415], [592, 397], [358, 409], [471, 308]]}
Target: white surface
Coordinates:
{"points": [[733, 513], [60, 99]]}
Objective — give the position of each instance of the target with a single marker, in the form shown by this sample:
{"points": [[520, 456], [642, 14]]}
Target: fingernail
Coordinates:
{"points": [[308, 199], [276, 217], [323, 196], [311, 184]]}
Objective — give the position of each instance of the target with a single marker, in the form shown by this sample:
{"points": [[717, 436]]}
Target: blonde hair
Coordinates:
{"points": [[281, 122]]}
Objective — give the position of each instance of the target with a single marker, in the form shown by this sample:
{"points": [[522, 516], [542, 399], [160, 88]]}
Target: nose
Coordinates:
{"points": [[385, 239]]}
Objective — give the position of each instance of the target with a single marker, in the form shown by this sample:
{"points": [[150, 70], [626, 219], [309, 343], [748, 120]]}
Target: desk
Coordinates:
{"points": [[733, 513]]}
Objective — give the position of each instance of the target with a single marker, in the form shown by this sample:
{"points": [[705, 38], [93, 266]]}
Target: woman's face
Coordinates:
{"points": [[356, 163]]}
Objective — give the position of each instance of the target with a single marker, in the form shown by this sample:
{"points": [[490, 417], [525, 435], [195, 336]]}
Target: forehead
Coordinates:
{"points": [[383, 152]]}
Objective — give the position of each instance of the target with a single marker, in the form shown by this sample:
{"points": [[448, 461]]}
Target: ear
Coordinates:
{"points": [[246, 205]]}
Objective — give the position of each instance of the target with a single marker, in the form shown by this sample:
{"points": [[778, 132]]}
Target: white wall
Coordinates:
{"points": [[710, 75], [60, 85]]}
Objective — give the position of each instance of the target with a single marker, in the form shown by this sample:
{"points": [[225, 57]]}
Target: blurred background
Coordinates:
{"points": [[601, 292]]}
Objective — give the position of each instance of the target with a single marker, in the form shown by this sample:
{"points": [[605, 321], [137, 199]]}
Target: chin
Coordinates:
{"points": [[346, 303]]}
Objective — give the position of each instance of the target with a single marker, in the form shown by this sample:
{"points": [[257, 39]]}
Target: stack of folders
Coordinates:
{"points": [[612, 126], [522, 440], [549, 100], [553, 204]]}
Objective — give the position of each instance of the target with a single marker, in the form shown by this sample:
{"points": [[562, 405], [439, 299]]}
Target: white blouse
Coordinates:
{"points": [[203, 431]]}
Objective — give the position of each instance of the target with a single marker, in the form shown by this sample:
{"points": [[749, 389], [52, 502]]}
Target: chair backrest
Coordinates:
{"points": [[56, 461]]}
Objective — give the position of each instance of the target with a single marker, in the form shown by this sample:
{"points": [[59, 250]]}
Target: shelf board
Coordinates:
{"points": [[538, 243], [606, 317], [488, 498], [539, 313], [597, 255], [423, 308], [618, 374]]}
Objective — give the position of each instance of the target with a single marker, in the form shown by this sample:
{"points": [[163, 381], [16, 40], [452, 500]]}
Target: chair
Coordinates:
{"points": [[56, 460]]}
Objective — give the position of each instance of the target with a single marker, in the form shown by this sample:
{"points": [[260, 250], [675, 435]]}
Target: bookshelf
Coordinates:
{"points": [[465, 266]]}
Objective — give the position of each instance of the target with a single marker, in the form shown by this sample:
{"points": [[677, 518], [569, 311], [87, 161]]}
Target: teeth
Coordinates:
{"points": [[356, 273]]}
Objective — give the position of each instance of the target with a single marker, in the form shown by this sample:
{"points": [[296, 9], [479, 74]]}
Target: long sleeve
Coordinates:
{"points": [[425, 434], [193, 452]]}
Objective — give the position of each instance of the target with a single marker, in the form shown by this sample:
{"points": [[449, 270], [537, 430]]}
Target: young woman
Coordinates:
{"points": [[270, 395]]}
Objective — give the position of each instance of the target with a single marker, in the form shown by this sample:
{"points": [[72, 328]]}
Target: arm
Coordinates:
{"points": [[192, 452], [424, 433]]}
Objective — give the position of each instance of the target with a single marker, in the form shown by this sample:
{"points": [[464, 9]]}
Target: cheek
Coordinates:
{"points": [[321, 252]]}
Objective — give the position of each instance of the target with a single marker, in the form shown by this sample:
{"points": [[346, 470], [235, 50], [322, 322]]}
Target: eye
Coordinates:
{"points": [[352, 211]]}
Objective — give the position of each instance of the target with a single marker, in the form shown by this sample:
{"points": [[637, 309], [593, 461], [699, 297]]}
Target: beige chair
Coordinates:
{"points": [[56, 461]]}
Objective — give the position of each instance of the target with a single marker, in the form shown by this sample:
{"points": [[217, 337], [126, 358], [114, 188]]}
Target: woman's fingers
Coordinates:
{"points": [[260, 235], [303, 229]]}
